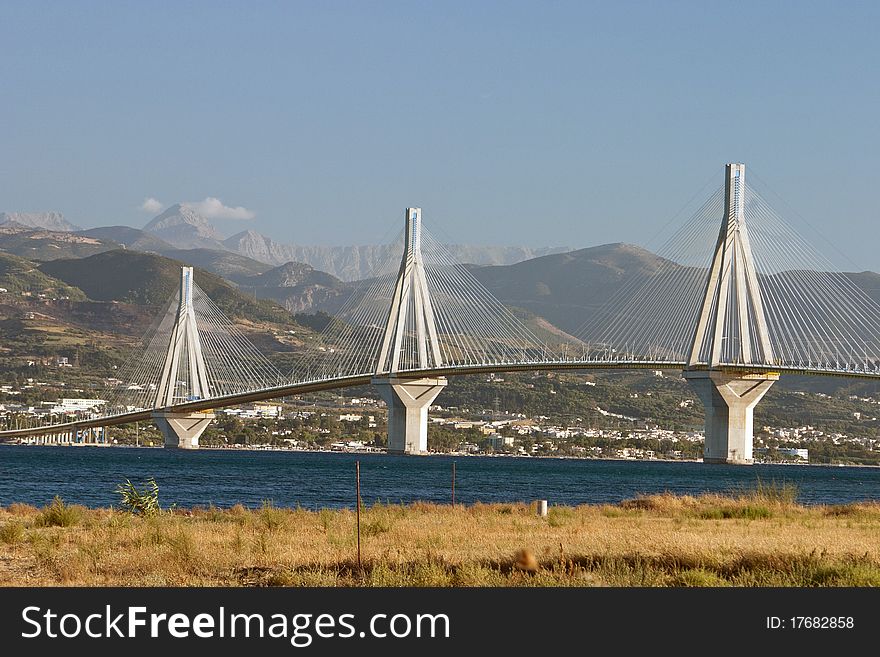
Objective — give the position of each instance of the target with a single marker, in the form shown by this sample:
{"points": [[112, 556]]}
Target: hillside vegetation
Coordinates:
{"points": [[18, 275], [150, 279]]}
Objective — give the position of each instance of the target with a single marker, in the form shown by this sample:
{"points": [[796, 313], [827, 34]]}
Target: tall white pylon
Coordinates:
{"points": [[731, 330], [410, 312], [184, 349], [184, 366], [411, 303], [732, 309]]}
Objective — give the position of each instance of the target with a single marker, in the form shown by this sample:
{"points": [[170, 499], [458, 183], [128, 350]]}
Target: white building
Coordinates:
{"points": [[72, 405], [497, 441]]}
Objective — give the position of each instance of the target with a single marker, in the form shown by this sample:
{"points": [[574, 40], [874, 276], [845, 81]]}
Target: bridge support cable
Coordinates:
{"points": [[651, 316], [819, 317]]}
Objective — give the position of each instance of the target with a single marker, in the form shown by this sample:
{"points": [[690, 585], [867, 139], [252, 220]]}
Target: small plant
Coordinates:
{"points": [[326, 518], [262, 543], [271, 517], [377, 526], [740, 512], [559, 515], [183, 547], [782, 493], [140, 502], [59, 514], [697, 577], [12, 532], [46, 548], [118, 520]]}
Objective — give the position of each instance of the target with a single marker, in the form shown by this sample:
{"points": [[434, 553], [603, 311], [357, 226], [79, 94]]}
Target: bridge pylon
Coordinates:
{"points": [[731, 330], [184, 375], [410, 325]]}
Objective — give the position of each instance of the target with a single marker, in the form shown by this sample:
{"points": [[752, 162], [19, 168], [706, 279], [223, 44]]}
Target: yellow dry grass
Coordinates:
{"points": [[660, 540]]}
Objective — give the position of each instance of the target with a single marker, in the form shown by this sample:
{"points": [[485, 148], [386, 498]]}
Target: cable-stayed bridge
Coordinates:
{"points": [[737, 299]]}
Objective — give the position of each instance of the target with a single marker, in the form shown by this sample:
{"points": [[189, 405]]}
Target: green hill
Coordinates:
{"points": [[18, 275], [149, 279]]}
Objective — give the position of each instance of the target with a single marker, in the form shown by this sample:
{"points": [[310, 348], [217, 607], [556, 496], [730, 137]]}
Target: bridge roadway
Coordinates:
{"points": [[305, 387]]}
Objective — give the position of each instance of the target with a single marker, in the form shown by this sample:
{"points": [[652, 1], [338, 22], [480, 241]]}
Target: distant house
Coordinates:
{"points": [[498, 441]]}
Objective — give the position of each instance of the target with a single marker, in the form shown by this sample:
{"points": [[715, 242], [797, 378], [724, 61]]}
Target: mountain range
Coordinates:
{"points": [[184, 228], [48, 236], [555, 291]]}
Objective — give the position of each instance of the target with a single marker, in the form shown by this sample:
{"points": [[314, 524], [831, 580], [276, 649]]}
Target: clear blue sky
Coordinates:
{"points": [[543, 123]]}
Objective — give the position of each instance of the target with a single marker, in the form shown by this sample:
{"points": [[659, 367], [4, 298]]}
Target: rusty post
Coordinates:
{"points": [[357, 468]]}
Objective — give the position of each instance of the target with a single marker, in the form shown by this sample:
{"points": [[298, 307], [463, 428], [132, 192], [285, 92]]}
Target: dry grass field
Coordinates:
{"points": [[761, 538]]}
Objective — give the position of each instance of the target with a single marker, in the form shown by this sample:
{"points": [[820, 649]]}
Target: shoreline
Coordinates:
{"points": [[432, 454]]}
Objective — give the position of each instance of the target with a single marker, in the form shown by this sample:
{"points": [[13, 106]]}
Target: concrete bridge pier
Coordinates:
{"points": [[182, 430], [408, 401], [729, 401]]}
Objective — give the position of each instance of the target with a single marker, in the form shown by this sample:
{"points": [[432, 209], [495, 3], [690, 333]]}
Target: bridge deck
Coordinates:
{"points": [[305, 387]]}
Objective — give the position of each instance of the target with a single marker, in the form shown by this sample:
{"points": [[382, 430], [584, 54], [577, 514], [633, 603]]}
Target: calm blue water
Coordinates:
{"points": [[89, 475]]}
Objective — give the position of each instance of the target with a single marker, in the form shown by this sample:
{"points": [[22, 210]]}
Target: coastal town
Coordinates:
{"points": [[357, 424]]}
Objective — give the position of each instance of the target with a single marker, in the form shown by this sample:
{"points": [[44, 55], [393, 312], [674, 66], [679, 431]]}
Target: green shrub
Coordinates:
{"points": [[140, 502], [738, 512], [58, 514]]}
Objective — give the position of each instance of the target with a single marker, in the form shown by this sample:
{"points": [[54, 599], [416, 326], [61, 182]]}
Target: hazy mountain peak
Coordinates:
{"points": [[48, 220], [185, 228], [181, 214]]}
